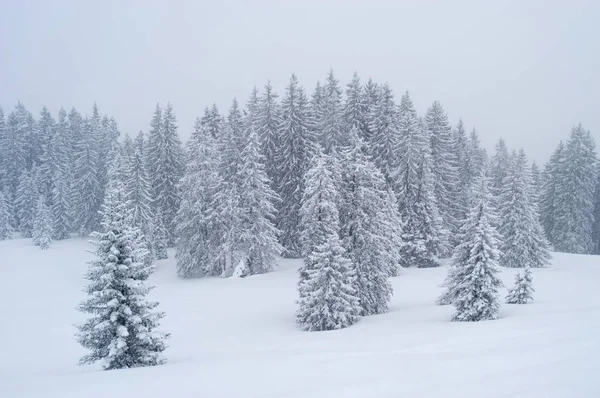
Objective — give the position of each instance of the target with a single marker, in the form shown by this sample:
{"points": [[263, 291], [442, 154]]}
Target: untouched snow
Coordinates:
{"points": [[237, 337]]}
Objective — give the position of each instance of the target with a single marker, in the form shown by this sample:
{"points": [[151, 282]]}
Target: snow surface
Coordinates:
{"points": [[237, 337]]}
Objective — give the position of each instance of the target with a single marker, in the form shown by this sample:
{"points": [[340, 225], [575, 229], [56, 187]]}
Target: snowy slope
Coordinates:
{"points": [[237, 338]]}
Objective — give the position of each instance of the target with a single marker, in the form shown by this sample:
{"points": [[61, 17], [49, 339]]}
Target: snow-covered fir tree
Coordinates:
{"points": [[370, 99], [370, 227], [258, 238], [121, 330], [472, 283], [522, 290], [13, 149], [213, 121], [355, 107], [382, 122], [499, 165], [45, 131], [423, 233], [165, 159], [88, 196], [25, 202], [444, 166], [42, 224], [198, 229], [330, 115], [465, 174], [549, 189], [297, 148], [523, 240], [62, 209], [5, 225], [327, 296], [268, 124], [574, 195]]}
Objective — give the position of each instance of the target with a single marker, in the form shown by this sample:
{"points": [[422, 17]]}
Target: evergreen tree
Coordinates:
{"points": [[120, 332], [499, 167], [370, 227], [42, 224], [370, 100], [14, 150], [88, 197], [258, 238], [465, 173], [330, 116], [355, 107], [423, 232], [328, 299], [46, 129], [572, 230], [62, 210], [165, 160], [472, 283], [213, 121], [444, 166], [138, 191], [549, 190], [384, 134], [536, 183], [197, 228], [268, 124], [4, 156], [523, 241], [297, 148], [25, 202], [521, 292], [5, 226]]}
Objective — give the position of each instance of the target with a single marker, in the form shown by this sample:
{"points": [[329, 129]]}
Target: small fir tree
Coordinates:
{"points": [[42, 225], [472, 283], [328, 298], [121, 332], [521, 292]]}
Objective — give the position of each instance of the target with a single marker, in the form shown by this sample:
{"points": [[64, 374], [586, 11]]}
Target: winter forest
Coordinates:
{"points": [[347, 177]]}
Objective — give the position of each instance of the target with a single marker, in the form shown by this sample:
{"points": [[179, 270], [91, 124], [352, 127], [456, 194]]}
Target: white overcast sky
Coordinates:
{"points": [[525, 70]]}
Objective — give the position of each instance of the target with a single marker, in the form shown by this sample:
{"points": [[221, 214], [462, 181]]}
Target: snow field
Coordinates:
{"points": [[238, 338]]}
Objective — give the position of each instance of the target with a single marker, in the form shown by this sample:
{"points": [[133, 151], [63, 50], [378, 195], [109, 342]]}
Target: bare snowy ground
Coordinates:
{"points": [[237, 338]]}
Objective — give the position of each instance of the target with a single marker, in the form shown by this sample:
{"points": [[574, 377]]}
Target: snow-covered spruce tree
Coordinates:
{"points": [[165, 159], [5, 226], [88, 192], [138, 190], [477, 155], [574, 194], [121, 331], [297, 142], [465, 174], [521, 292], [42, 224], [370, 99], [536, 182], [25, 202], [499, 165], [258, 238], [355, 107], [523, 241], [327, 296], [330, 115], [3, 151], [472, 283], [384, 143], [213, 121], [13, 151], [268, 125], [62, 209], [370, 227], [197, 228], [423, 233], [548, 191], [45, 132], [444, 167], [227, 197]]}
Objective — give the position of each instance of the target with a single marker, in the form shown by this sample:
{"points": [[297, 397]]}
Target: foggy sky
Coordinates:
{"points": [[524, 70]]}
